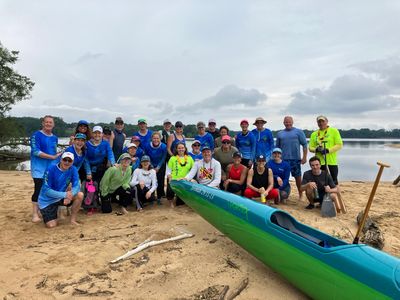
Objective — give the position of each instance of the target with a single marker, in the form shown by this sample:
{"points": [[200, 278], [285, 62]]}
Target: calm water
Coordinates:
{"points": [[357, 160]]}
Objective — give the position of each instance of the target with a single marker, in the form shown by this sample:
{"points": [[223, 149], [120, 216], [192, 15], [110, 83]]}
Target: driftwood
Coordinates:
{"points": [[238, 290], [373, 236], [146, 244]]}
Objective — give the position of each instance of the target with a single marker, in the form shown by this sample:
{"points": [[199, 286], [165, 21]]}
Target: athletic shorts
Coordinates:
{"points": [[295, 167], [49, 213]]}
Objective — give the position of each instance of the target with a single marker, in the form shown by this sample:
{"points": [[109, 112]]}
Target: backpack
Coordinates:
{"points": [[91, 195]]}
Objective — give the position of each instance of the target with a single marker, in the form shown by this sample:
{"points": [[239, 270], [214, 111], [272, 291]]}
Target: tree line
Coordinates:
{"points": [[19, 127]]}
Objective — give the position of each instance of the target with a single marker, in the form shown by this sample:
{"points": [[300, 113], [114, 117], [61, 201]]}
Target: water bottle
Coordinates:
{"points": [[263, 199], [316, 194]]}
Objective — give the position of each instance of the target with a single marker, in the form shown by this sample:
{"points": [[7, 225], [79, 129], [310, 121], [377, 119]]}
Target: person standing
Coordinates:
{"points": [[326, 141], [264, 139], [212, 128], [175, 138], [144, 134], [224, 154], [117, 138], [205, 138], [166, 131], [246, 144], [60, 188], [289, 140], [43, 154]]}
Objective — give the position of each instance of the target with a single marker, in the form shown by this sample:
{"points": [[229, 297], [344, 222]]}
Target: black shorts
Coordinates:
{"points": [[49, 213]]}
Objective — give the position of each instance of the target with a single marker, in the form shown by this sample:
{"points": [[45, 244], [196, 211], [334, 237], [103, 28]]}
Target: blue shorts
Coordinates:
{"points": [[295, 167], [49, 213]]}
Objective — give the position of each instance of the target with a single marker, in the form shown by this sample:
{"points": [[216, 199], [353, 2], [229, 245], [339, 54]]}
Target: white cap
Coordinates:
{"points": [[97, 128], [166, 121], [67, 155], [131, 145], [212, 121]]}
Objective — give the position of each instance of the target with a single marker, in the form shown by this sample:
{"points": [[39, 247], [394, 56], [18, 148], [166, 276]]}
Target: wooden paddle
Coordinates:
{"points": [[371, 197]]}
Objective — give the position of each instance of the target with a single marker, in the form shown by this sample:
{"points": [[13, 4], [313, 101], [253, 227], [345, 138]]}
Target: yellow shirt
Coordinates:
{"points": [[333, 143]]}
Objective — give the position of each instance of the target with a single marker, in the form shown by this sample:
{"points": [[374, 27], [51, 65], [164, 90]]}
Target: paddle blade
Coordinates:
{"points": [[328, 209]]}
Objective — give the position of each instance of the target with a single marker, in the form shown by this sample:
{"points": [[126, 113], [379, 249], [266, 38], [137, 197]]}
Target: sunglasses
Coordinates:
{"points": [[196, 145], [226, 142], [68, 160], [178, 126]]}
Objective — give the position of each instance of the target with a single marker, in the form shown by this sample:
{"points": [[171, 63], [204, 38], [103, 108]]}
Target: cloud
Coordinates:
{"points": [[228, 96], [87, 57], [348, 94]]}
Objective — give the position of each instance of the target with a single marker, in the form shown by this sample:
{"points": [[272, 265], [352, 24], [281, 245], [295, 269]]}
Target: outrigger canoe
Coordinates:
{"points": [[320, 265]]}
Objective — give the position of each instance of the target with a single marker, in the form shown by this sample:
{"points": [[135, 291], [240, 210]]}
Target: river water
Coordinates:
{"points": [[357, 159]]}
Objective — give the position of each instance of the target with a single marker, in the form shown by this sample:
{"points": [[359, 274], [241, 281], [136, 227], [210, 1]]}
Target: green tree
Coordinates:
{"points": [[13, 86]]}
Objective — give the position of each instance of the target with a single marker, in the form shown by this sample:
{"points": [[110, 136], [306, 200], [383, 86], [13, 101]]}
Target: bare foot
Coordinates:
{"points": [[36, 219], [124, 211], [76, 223]]}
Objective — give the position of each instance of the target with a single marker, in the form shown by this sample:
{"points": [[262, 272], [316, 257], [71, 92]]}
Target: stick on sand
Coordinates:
{"points": [[148, 244]]}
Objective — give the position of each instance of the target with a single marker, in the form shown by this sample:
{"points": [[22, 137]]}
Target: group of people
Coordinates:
{"points": [[250, 164]]}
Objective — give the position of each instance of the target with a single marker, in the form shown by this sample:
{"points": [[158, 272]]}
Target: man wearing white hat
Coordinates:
{"points": [[61, 187], [264, 138]]}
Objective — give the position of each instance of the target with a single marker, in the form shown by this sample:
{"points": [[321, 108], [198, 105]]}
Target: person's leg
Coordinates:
{"points": [[38, 182], [170, 195], [273, 194], [234, 188], [249, 193], [123, 198], [310, 197], [334, 173], [76, 205], [49, 214], [284, 194], [160, 184], [295, 170]]}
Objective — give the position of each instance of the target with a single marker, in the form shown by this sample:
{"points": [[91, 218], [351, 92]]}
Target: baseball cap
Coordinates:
{"points": [[107, 130], [205, 148], [142, 120], [145, 158], [244, 121], [130, 145], [236, 154], [225, 138], [277, 150], [166, 121], [178, 124], [196, 142], [97, 128], [124, 156], [80, 136], [260, 157], [322, 118], [200, 124], [67, 155], [212, 121], [135, 138], [259, 119], [83, 122]]}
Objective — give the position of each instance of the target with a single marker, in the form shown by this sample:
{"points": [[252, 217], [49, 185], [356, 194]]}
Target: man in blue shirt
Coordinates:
{"points": [[43, 154], [246, 144], [61, 186], [264, 139], [144, 134], [289, 140]]}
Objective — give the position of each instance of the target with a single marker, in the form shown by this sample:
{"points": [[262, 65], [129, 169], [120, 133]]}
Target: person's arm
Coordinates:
{"points": [[249, 181], [313, 142], [112, 137], [217, 175], [135, 179], [154, 183], [286, 177], [253, 147], [164, 156], [171, 138], [105, 181], [86, 165], [36, 151], [193, 172], [303, 143], [271, 140], [211, 142], [270, 181], [110, 154], [127, 178], [278, 141], [48, 182]]}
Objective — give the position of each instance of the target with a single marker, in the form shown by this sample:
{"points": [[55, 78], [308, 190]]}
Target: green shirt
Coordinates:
{"points": [[178, 168], [333, 144], [113, 179]]}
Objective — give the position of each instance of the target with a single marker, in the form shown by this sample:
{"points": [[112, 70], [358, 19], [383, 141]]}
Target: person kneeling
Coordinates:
{"points": [[260, 182], [144, 180], [316, 183], [60, 188], [236, 175], [115, 182]]}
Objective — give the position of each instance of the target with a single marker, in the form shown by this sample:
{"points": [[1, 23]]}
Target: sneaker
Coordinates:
{"points": [[310, 206]]}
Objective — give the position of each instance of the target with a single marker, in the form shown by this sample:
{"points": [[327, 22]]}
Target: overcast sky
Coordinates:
{"points": [[195, 60]]}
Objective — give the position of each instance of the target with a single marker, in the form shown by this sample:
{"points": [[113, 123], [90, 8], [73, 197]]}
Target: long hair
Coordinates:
{"points": [[176, 148]]}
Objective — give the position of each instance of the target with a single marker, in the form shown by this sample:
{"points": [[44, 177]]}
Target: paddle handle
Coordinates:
{"points": [[371, 197]]}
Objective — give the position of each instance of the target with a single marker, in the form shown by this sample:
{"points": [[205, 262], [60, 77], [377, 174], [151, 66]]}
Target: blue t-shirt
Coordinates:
{"points": [[42, 143], [206, 140], [96, 155], [246, 144], [144, 139], [281, 170], [289, 141], [157, 154], [264, 142], [176, 141], [79, 160], [55, 185], [196, 156]]}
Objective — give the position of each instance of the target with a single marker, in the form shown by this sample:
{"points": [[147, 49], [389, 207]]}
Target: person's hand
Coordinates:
{"points": [[312, 185], [156, 169], [169, 178], [319, 149], [279, 180], [226, 183], [88, 177], [148, 195], [261, 190], [69, 195], [250, 163], [57, 155], [67, 201], [327, 189], [303, 160]]}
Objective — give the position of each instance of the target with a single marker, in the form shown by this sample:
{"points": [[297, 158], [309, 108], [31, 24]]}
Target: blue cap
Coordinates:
{"points": [[277, 150], [83, 122], [80, 136], [205, 148], [260, 157]]}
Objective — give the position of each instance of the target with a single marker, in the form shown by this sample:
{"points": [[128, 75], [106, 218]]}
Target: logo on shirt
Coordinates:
{"points": [[206, 173]]}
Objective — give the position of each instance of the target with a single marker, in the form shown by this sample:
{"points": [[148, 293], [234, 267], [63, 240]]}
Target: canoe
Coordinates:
{"points": [[320, 265]]}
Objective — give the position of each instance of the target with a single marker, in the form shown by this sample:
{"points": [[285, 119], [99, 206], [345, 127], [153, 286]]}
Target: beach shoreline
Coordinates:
{"points": [[71, 261]]}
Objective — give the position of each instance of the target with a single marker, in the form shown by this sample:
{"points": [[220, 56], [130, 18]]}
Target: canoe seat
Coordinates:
{"points": [[285, 221]]}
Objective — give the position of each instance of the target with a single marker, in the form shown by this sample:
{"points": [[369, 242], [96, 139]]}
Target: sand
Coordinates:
{"points": [[69, 261]]}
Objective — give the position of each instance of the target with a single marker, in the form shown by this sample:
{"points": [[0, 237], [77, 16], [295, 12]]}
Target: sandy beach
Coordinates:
{"points": [[70, 261]]}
